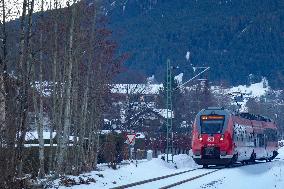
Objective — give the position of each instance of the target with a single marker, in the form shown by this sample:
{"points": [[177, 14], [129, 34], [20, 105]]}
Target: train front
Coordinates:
{"points": [[212, 142]]}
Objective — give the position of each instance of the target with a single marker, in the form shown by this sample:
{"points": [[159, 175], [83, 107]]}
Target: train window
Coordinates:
{"points": [[274, 136], [212, 126], [255, 142], [261, 139], [271, 135]]}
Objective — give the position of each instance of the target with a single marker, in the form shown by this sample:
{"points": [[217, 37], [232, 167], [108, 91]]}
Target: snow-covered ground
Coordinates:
{"points": [[262, 175], [14, 7], [107, 177], [244, 92]]}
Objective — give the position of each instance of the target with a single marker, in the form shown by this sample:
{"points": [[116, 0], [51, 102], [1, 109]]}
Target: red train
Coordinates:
{"points": [[222, 138]]}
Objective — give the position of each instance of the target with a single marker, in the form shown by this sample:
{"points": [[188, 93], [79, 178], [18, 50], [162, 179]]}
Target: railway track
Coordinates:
{"points": [[202, 175], [211, 170], [188, 180], [135, 184]]}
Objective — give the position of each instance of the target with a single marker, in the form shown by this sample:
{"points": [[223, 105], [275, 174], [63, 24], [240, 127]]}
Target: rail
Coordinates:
{"points": [[188, 180], [152, 179]]}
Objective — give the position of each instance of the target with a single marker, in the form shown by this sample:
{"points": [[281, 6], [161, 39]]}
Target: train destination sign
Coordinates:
{"points": [[206, 117]]}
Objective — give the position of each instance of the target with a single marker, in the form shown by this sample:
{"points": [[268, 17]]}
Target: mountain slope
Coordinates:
{"points": [[242, 41], [235, 38]]}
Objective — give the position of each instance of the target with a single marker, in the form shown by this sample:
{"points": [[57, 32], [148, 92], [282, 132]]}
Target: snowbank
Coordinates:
{"points": [[254, 90], [261, 176], [33, 135], [184, 161], [135, 171], [281, 153]]}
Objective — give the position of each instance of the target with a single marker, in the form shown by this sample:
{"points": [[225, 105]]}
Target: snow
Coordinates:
{"points": [[136, 88], [263, 175], [164, 112], [15, 7], [151, 80], [184, 161], [254, 90], [104, 132], [179, 77], [260, 176], [46, 86], [33, 135], [140, 135], [37, 145], [130, 173], [187, 56], [281, 143]]}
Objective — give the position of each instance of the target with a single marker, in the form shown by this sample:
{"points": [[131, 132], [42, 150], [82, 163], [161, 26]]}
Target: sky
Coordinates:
{"points": [[14, 7]]}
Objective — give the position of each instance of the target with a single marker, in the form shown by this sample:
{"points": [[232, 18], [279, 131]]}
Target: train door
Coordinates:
{"points": [[256, 140], [265, 140], [260, 140]]}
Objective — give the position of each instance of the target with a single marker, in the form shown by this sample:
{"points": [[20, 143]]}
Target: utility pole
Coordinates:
{"points": [[170, 134], [169, 104]]}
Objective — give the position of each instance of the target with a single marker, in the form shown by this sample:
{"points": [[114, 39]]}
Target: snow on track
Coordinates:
{"points": [[263, 175], [174, 179], [130, 173], [259, 176]]}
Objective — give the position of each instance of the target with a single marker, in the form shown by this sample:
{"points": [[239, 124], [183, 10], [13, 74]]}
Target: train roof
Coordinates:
{"points": [[254, 117], [244, 115]]}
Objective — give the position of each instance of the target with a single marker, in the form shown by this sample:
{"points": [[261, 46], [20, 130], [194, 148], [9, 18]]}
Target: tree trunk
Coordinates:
{"points": [[24, 77], [3, 77], [41, 171], [75, 117], [87, 88], [56, 85], [68, 84]]}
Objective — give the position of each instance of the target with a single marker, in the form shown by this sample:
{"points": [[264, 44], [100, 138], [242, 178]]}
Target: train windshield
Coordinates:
{"points": [[212, 124]]}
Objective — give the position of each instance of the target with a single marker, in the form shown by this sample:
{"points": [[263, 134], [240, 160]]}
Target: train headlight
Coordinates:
{"points": [[200, 137], [222, 137]]}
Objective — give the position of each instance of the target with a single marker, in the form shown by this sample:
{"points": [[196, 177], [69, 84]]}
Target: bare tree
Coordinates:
{"points": [[41, 171], [56, 86], [83, 65], [3, 70], [68, 84], [24, 77]]}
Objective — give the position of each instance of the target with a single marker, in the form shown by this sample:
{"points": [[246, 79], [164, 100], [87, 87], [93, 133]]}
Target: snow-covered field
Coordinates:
{"points": [[107, 177], [259, 176], [262, 175]]}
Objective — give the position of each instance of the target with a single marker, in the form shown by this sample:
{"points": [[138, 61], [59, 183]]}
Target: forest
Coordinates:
{"points": [[69, 50], [235, 38]]}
